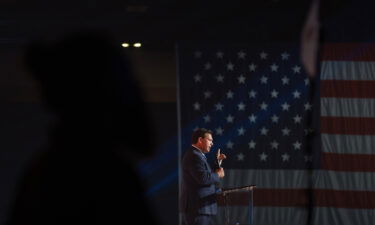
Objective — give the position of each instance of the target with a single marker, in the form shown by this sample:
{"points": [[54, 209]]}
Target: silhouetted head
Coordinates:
{"points": [[86, 80]]}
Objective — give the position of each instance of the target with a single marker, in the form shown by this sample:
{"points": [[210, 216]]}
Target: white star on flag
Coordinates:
{"points": [[274, 145], [297, 145], [296, 69], [263, 80], [263, 131], [308, 158], [230, 94], [296, 94], [219, 131], [263, 156], [275, 118], [197, 78], [219, 106], [285, 106], [263, 106], [252, 94], [196, 106], [252, 144], [241, 131], [263, 55], [240, 156], [274, 93], [229, 144], [297, 119], [308, 106], [207, 94], [220, 78], [197, 54], [241, 106], [285, 157], [252, 67], [241, 79], [207, 66], [285, 131], [241, 55], [274, 67], [285, 56], [252, 118], [230, 119], [230, 66], [219, 54], [285, 80]]}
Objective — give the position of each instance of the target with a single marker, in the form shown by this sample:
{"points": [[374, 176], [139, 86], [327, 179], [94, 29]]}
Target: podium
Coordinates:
{"points": [[225, 192]]}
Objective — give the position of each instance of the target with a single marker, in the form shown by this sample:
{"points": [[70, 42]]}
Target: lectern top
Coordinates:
{"points": [[237, 189]]}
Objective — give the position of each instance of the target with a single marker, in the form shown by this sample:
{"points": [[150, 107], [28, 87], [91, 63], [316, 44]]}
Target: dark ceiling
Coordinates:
{"points": [[160, 23], [157, 22]]}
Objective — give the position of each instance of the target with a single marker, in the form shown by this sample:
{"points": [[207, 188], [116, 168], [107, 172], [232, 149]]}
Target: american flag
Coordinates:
{"points": [[346, 182], [264, 112]]}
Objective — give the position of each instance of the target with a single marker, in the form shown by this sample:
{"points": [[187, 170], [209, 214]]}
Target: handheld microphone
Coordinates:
{"points": [[219, 161]]}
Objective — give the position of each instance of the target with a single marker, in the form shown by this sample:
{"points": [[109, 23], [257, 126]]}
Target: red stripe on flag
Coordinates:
{"points": [[268, 197], [347, 125], [348, 52], [299, 198], [280, 197], [347, 89], [347, 162], [345, 199]]}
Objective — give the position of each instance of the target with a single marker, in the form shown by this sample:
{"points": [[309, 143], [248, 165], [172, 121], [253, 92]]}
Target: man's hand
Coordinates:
{"points": [[220, 172]]}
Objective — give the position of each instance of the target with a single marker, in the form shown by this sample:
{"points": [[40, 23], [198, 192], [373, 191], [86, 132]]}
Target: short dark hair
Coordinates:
{"points": [[200, 132]]}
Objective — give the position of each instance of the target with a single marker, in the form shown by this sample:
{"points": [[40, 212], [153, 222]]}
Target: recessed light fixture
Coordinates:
{"points": [[125, 45]]}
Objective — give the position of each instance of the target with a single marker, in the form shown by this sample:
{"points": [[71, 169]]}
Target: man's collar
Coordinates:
{"points": [[197, 148]]}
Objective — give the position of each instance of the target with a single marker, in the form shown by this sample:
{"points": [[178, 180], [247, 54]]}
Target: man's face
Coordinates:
{"points": [[206, 143]]}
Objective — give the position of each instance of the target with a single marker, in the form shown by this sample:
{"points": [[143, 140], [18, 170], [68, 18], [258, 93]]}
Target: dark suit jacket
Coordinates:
{"points": [[198, 190]]}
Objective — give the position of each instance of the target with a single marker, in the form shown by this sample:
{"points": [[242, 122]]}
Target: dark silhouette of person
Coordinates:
{"points": [[86, 175]]}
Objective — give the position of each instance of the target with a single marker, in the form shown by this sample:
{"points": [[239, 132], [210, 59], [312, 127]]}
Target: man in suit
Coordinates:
{"points": [[198, 191]]}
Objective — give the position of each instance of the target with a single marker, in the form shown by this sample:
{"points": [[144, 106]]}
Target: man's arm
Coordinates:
{"points": [[197, 168]]}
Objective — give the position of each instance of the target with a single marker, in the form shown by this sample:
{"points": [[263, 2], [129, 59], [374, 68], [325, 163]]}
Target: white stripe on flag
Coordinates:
{"points": [[347, 70], [263, 216], [329, 216], [348, 144], [266, 178], [347, 107], [344, 181], [298, 179], [295, 216]]}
